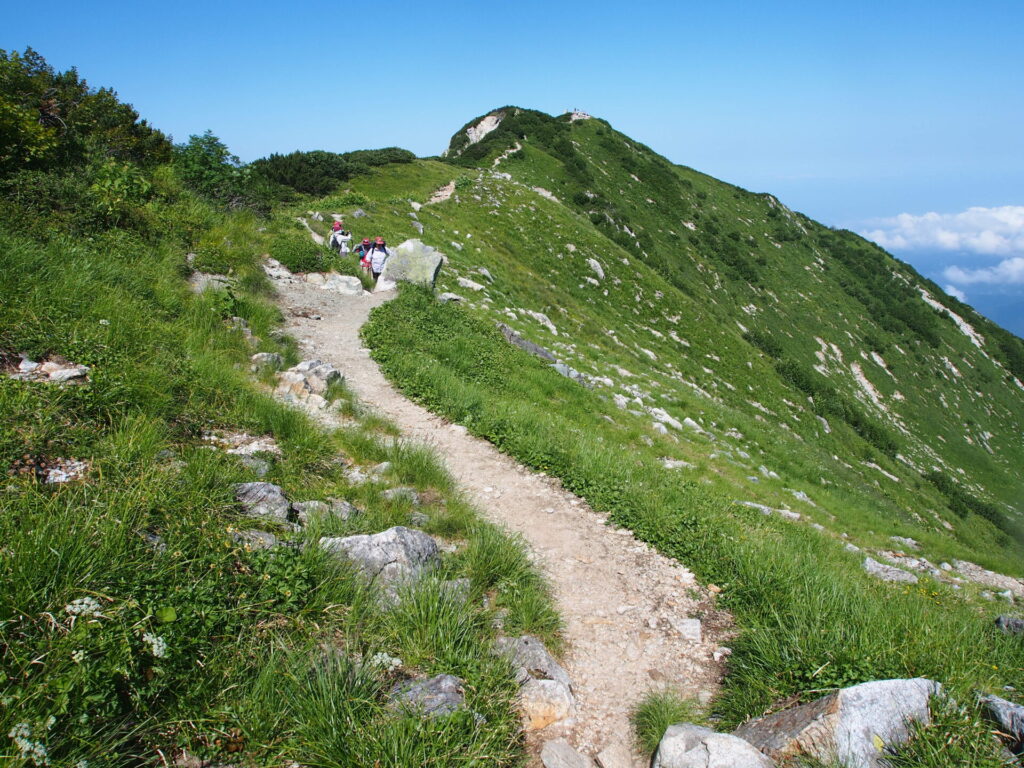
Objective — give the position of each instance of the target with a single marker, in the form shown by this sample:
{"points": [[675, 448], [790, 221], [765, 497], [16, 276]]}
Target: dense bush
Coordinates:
{"points": [[319, 172]]}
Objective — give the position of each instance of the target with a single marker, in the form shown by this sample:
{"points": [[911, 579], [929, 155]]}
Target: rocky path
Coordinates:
{"points": [[629, 612]]}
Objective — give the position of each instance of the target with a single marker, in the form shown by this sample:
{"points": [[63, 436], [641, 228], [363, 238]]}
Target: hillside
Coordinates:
{"points": [[767, 400]]}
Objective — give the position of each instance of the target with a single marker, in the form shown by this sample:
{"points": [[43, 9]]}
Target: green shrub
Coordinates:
{"points": [[298, 252]]}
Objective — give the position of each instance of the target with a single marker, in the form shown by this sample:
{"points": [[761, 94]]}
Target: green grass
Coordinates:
{"points": [[657, 711], [810, 619], [194, 642]]}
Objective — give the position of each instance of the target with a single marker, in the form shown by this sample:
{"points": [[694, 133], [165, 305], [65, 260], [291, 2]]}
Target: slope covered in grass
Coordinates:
{"points": [[142, 619]]}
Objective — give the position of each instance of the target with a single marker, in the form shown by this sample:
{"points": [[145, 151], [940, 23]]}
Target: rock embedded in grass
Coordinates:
{"points": [[531, 659], [1011, 625], [394, 556], [852, 726], [435, 697], [262, 361], [888, 572], [1009, 717], [686, 745], [262, 500]]}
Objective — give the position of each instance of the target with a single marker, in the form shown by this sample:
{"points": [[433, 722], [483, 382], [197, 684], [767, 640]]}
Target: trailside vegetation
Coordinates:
{"points": [[139, 622]]}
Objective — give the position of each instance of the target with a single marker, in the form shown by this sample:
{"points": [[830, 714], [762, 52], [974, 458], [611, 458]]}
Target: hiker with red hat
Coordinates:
{"points": [[340, 238], [378, 256]]}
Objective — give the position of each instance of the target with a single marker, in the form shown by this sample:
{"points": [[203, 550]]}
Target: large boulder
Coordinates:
{"points": [[852, 726], [694, 746], [543, 702], [413, 262], [262, 500], [346, 285], [388, 558]]}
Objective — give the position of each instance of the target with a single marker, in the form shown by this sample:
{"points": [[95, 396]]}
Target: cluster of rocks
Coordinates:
{"points": [[247, 447], [54, 370], [545, 691], [854, 727], [307, 383], [52, 471]]}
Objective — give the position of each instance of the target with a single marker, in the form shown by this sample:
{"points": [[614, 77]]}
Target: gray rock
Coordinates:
{"points": [[559, 754], [527, 346], [260, 467], [888, 572], [1009, 717], [1011, 625], [412, 262], [850, 726], [693, 746], [905, 541], [531, 659], [391, 557], [444, 298], [435, 697], [615, 755], [254, 539], [472, 285], [332, 509], [321, 377], [571, 373], [486, 274], [346, 285], [459, 589], [202, 281], [418, 226], [67, 374], [266, 361], [262, 500], [358, 213]]}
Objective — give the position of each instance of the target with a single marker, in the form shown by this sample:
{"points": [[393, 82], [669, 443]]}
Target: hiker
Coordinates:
{"points": [[340, 238], [363, 252], [378, 256]]}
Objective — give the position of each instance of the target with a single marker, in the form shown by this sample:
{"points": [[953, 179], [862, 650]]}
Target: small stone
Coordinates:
{"points": [[531, 659], [559, 754], [254, 539], [259, 467], [444, 298], [544, 702], [402, 493], [266, 361], [615, 755], [888, 572], [1011, 625]]}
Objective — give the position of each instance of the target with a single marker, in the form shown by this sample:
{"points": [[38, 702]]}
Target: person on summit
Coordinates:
{"points": [[378, 256]]}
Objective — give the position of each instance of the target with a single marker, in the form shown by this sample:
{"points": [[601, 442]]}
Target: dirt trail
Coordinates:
{"points": [[623, 604]]}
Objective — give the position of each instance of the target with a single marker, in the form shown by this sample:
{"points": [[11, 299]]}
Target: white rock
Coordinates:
{"points": [[693, 746]]}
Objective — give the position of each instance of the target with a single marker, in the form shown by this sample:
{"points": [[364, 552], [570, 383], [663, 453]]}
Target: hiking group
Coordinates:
{"points": [[372, 255]]}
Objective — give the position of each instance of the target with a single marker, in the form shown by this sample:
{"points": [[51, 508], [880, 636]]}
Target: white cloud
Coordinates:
{"points": [[988, 231], [1006, 272], [956, 293]]}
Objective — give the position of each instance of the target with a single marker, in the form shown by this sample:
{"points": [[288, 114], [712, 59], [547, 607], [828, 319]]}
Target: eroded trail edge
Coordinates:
{"points": [[632, 616]]}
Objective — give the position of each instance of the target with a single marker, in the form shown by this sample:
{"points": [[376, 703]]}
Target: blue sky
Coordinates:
{"points": [[853, 113]]}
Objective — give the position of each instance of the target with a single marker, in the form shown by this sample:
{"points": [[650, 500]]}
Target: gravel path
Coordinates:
{"points": [[623, 604]]}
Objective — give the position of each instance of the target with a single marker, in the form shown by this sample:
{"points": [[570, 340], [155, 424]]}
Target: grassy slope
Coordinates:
{"points": [[811, 618], [245, 670]]}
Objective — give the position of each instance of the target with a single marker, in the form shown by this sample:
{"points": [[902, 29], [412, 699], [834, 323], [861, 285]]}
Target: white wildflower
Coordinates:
{"points": [[78, 656], [82, 764], [33, 751], [50, 722], [383, 661], [157, 645], [84, 606]]}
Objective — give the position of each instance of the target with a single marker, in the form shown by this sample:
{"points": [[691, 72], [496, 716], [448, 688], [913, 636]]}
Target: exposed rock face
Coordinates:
{"points": [[262, 500], [391, 557], [979, 575], [851, 726], [888, 572], [476, 132], [412, 262], [527, 346], [560, 754], [435, 697], [693, 746]]}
